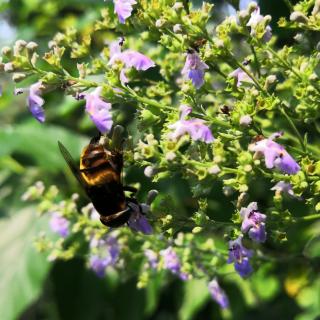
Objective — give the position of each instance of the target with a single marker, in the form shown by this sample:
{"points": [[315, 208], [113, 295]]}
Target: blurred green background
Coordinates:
{"points": [[31, 287]]}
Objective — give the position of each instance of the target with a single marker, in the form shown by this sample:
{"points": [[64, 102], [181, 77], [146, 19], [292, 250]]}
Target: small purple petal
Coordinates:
{"points": [[98, 265], [218, 294], [59, 224], [99, 111], [123, 8], [194, 69], [152, 258], [239, 255], [35, 102], [241, 76], [276, 156], [253, 222], [284, 187], [139, 222], [171, 260]]}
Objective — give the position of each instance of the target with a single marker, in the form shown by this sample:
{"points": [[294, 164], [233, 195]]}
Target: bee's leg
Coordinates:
{"points": [[133, 190]]}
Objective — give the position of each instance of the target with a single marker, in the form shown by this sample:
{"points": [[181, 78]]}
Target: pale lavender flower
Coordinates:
{"points": [[152, 258], [138, 220], [130, 59], [218, 294], [171, 260], [253, 222], [98, 110], [98, 265], [59, 224], [194, 69], [240, 76], [35, 102], [284, 187], [255, 19], [275, 155], [123, 8], [108, 251], [195, 127], [239, 255]]}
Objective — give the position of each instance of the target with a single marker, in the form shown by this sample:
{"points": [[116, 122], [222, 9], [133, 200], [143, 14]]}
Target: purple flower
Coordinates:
{"points": [[130, 59], [35, 102], [239, 255], [275, 155], [98, 265], [253, 222], [171, 260], [138, 220], [152, 258], [123, 9], [240, 76], [194, 69], [59, 224], [196, 128], [255, 19], [284, 187], [218, 294], [98, 110], [106, 253]]}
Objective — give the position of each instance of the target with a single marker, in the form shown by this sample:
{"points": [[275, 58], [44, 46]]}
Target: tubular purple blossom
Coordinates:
{"points": [[171, 260], [130, 59], [255, 19], [123, 8], [35, 102], [194, 69], [240, 76], [108, 251], [152, 258], [275, 155], [284, 187], [59, 224], [138, 221], [239, 255], [196, 128], [99, 110], [253, 222], [218, 294]]}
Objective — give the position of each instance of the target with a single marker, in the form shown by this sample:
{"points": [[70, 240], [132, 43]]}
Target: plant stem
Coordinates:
{"points": [[294, 128], [308, 218], [289, 5]]}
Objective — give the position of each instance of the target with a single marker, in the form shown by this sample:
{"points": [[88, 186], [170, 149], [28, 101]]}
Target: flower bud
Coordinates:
{"points": [[228, 191], [149, 171], [177, 28], [299, 17], [245, 120], [159, 23], [152, 194], [214, 170], [6, 51], [177, 6], [18, 47], [170, 156], [8, 67], [17, 77], [31, 46]]}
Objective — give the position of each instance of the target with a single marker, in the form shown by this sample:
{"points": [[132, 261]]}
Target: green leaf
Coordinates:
{"points": [[40, 143], [196, 294], [23, 270]]}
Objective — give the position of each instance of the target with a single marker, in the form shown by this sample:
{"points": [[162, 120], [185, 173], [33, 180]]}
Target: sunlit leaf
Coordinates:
{"points": [[23, 270]]}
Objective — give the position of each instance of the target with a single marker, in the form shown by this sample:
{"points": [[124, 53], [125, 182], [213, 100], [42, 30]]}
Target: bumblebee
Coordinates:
{"points": [[99, 173]]}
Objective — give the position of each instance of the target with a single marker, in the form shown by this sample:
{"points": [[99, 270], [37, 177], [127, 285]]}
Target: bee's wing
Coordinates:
{"points": [[73, 167]]}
